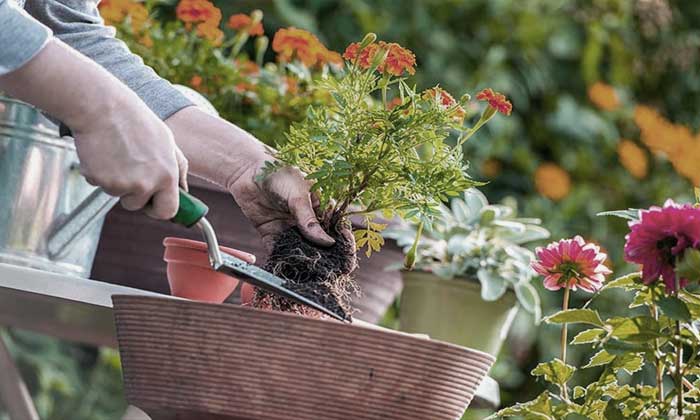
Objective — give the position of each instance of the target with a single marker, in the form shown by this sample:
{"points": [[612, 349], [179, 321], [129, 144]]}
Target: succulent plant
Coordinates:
{"points": [[475, 240]]}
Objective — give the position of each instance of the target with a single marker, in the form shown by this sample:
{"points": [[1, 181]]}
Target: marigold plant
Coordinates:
{"points": [[262, 97], [367, 153], [380, 146]]}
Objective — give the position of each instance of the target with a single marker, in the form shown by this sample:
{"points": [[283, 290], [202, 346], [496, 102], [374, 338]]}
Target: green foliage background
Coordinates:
{"points": [[543, 54]]}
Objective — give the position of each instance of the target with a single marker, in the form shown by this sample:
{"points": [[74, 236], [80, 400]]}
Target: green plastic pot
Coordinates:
{"points": [[453, 311]]}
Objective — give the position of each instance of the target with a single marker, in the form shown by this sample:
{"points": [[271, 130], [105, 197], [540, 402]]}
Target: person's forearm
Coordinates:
{"points": [[66, 85], [78, 24], [217, 150]]}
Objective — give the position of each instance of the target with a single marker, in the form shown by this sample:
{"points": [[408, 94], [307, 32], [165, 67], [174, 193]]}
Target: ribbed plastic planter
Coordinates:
{"points": [[193, 360]]}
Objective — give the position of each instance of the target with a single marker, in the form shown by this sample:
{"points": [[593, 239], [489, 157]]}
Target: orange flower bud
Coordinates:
{"points": [[496, 101]]}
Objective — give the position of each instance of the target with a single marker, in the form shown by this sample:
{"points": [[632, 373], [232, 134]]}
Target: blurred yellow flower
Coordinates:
{"points": [[491, 168], [552, 181], [211, 32], [633, 158], [603, 96], [196, 82], [114, 12], [146, 41], [674, 141]]}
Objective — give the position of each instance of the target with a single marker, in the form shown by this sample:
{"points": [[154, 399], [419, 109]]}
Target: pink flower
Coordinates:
{"points": [[660, 236], [573, 262]]}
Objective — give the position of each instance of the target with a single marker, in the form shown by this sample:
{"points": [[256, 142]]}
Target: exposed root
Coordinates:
{"points": [[320, 274]]}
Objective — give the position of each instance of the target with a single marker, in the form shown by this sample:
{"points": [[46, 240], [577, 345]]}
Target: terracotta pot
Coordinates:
{"points": [[130, 251], [452, 310], [190, 275], [198, 359]]}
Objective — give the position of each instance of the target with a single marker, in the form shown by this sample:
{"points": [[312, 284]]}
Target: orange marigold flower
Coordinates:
{"points": [[247, 67], [243, 21], [114, 12], [292, 42], [196, 11], [398, 60], [331, 57], [633, 158], [196, 82], [445, 100], [674, 141], [244, 87], [139, 16], [394, 103], [351, 51], [552, 181], [146, 41], [496, 100], [603, 96], [365, 57], [491, 168], [211, 32], [292, 85]]}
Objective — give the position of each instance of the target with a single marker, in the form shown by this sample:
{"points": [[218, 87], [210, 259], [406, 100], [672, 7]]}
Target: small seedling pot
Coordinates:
{"points": [[191, 277], [453, 311]]}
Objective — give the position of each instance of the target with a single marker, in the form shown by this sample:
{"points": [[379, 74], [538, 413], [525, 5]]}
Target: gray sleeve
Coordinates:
{"points": [[21, 37], [78, 24]]}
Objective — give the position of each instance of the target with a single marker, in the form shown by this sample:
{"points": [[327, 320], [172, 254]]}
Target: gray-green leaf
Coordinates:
{"points": [[493, 286]]}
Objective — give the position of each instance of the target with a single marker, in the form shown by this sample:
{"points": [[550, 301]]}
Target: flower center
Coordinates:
{"points": [[665, 247], [568, 270]]}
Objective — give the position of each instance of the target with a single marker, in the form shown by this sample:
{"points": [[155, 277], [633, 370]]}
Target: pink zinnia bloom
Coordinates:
{"points": [[573, 262], [660, 236]]}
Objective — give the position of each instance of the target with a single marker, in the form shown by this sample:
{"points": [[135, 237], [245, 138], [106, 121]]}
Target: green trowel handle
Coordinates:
{"points": [[191, 210]]}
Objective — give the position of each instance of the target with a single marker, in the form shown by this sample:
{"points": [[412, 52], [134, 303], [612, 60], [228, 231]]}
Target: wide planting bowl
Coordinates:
{"points": [[194, 360]]}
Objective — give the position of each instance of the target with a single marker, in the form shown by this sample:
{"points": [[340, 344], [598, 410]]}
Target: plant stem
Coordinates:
{"points": [[659, 366], [564, 340], [238, 41], [679, 360]]}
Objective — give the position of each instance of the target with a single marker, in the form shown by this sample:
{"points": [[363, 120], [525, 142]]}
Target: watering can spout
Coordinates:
{"points": [[74, 225]]}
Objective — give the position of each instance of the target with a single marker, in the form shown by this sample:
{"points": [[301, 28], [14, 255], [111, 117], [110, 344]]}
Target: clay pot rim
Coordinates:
{"points": [[175, 242], [255, 312]]}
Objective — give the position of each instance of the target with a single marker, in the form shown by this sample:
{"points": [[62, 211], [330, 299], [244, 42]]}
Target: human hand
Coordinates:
{"points": [[131, 154], [279, 201], [230, 157], [123, 147]]}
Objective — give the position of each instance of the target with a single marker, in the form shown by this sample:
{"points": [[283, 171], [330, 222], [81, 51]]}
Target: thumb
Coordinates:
{"points": [[306, 221]]}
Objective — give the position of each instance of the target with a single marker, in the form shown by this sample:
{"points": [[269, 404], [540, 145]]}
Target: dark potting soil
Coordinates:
{"points": [[320, 274]]}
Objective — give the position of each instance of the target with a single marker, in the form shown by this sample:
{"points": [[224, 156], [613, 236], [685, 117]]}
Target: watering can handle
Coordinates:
{"points": [[98, 203]]}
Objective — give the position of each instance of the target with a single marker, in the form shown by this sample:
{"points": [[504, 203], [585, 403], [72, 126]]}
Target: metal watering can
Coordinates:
{"points": [[50, 217]]}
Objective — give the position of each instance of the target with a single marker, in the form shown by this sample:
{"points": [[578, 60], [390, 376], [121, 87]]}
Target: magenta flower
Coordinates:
{"points": [[660, 236], [573, 262]]}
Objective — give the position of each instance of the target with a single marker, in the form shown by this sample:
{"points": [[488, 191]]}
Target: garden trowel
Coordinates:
{"points": [[192, 212]]}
